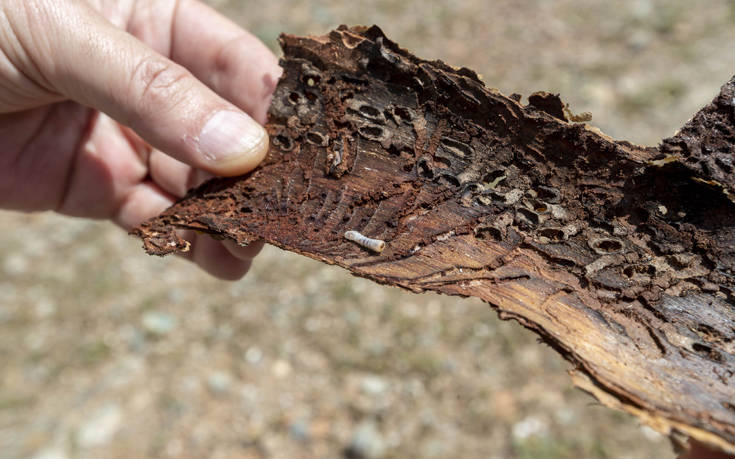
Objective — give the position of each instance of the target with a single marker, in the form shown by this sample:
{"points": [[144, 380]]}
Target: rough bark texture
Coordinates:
{"points": [[620, 257]]}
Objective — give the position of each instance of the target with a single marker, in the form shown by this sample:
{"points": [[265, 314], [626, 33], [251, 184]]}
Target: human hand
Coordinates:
{"points": [[114, 108]]}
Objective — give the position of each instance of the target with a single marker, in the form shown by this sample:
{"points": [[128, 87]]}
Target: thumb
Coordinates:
{"points": [[101, 66]]}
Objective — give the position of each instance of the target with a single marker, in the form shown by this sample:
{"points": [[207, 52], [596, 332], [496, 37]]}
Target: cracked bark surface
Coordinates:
{"points": [[621, 257]]}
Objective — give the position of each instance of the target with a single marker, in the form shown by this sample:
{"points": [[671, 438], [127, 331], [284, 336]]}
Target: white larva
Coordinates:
{"points": [[376, 245]]}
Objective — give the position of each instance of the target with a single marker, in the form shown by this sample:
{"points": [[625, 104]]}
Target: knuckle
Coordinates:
{"points": [[158, 82]]}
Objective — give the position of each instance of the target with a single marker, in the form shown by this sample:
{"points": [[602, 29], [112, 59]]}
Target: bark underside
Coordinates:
{"points": [[621, 257]]}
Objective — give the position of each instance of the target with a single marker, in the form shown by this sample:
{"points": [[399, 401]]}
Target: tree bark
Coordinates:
{"points": [[619, 256]]}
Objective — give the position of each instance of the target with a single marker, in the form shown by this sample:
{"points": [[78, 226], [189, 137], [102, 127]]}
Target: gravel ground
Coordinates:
{"points": [[108, 353]]}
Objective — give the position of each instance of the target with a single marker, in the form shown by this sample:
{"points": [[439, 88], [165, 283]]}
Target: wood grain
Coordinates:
{"points": [[618, 256]]}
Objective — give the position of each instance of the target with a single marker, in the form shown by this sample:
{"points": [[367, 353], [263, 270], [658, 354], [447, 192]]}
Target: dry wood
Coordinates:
{"points": [[619, 256]]}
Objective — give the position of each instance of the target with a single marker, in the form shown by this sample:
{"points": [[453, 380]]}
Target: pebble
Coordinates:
{"points": [[299, 429], [373, 385], [528, 427], [159, 323], [99, 429], [249, 394], [219, 382], [367, 442], [434, 448], [15, 265], [281, 368], [566, 416], [253, 355], [481, 330], [50, 453], [45, 308]]}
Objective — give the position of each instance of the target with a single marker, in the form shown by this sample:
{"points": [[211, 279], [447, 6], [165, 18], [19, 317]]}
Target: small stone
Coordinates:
{"points": [[373, 385], [253, 355], [367, 442], [566, 416], [99, 429], [15, 265], [281, 368], [299, 429], [45, 308], [176, 296], [158, 323], [50, 453], [219, 382], [249, 393], [529, 426], [435, 448], [481, 330]]}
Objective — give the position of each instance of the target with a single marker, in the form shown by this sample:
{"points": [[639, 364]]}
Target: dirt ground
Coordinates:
{"points": [[108, 353]]}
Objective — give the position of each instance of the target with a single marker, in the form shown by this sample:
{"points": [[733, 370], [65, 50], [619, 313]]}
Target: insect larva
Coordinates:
{"points": [[376, 245]]}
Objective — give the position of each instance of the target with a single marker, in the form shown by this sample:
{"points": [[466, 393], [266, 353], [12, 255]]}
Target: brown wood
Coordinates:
{"points": [[618, 256]]}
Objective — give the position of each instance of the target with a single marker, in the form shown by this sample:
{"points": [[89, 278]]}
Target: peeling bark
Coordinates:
{"points": [[620, 257]]}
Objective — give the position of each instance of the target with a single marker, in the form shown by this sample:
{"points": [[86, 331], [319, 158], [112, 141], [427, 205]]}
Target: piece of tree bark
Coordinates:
{"points": [[620, 257]]}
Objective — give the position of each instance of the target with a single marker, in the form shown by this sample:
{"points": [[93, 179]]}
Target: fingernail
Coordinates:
{"points": [[229, 135]]}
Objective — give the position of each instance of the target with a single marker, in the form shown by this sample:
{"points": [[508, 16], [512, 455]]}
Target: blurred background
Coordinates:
{"points": [[108, 353]]}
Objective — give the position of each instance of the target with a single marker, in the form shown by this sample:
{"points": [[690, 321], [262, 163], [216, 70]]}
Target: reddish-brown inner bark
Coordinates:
{"points": [[619, 256]]}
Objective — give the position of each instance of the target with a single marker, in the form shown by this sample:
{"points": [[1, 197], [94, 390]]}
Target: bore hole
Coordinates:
{"points": [[311, 96], [563, 262], [606, 245], [370, 111], [372, 132], [528, 217], [403, 113], [366, 111], [707, 351], [548, 194], [316, 138], [484, 200], [472, 187], [633, 270], [311, 79], [723, 165], [443, 163], [394, 150], [284, 142], [448, 180], [424, 169], [537, 206], [493, 179], [294, 97], [488, 232], [456, 147], [552, 234]]}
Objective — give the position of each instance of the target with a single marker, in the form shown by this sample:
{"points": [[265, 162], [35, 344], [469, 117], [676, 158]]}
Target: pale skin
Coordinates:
{"points": [[105, 106]]}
